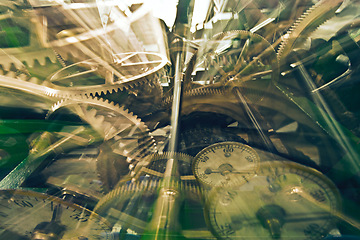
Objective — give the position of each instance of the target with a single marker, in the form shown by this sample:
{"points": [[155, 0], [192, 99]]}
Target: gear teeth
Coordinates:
{"points": [[33, 62], [36, 63], [11, 74], [49, 61], [96, 92], [205, 91], [32, 84], [54, 59], [100, 123], [135, 84], [6, 66], [51, 94], [13, 67], [177, 155], [55, 106], [23, 77], [27, 61], [65, 55], [17, 65], [102, 92], [127, 87], [126, 191], [42, 61], [308, 18], [106, 88]]}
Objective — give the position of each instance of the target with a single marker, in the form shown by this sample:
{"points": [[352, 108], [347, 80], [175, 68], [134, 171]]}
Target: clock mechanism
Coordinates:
{"points": [[188, 119]]}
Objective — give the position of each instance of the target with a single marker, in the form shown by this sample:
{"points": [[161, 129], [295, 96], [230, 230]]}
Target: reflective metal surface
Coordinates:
{"points": [[189, 119]]}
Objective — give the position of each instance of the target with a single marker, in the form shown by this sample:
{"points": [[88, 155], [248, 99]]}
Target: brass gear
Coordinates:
{"points": [[74, 79], [28, 50], [93, 52], [283, 122], [130, 206], [125, 137], [234, 58], [306, 24], [115, 170], [108, 119]]}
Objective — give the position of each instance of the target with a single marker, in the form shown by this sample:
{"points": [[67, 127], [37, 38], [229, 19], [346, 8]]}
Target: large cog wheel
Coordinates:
{"points": [[126, 137], [211, 111], [115, 170], [130, 206], [91, 77], [101, 56], [108, 119], [306, 24], [237, 58], [27, 49]]}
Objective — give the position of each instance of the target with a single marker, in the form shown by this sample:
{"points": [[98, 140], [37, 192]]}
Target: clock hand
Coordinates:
{"points": [[52, 230]]}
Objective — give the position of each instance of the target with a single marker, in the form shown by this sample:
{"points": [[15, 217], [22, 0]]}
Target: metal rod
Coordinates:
{"points": [[164, 224], [171, 166], [176, 104]]}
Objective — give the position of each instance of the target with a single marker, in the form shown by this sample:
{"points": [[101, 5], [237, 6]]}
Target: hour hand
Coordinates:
{"points": [[52, 230]]}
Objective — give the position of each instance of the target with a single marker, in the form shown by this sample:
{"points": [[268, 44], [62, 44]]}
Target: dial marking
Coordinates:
{"points": [[39, 213], [226, 166], [283, 200]]}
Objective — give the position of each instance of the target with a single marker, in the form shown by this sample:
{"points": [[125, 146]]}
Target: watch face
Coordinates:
{"points": [[283, 200], [225, 163], [189, 119], [40, 216]]}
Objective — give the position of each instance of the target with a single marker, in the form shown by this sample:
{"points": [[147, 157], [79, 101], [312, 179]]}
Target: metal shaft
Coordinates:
{"points": [[164, 224], [171, 166]]}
